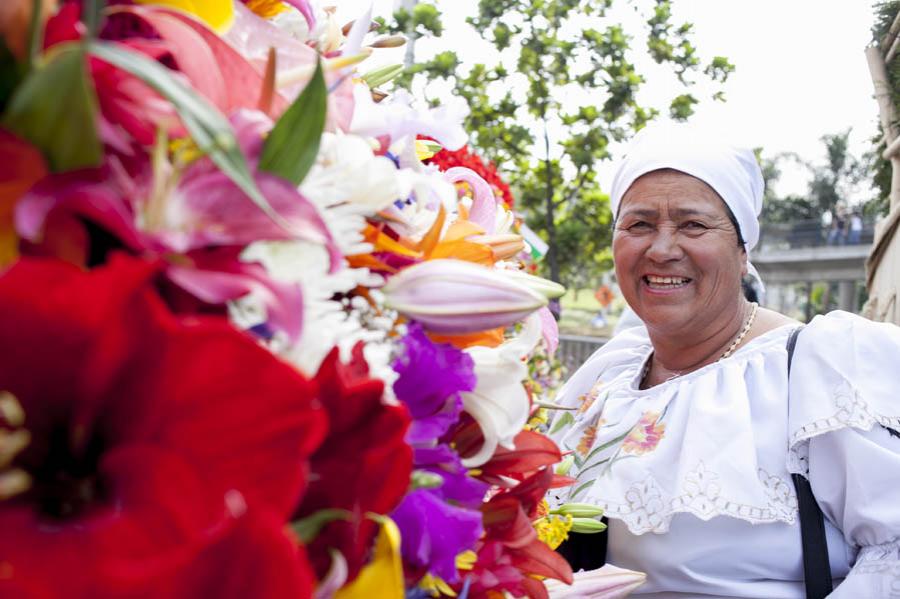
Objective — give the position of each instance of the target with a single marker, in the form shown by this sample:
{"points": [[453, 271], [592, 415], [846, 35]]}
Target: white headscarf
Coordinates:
{"points": [[731, 171]]}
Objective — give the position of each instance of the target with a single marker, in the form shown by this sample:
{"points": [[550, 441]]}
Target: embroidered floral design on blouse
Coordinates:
{"points": [[645, 435], [587, 440], [588, 399]]}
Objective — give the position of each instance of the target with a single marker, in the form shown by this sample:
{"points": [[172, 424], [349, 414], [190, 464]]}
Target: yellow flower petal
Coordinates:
{"points": [[218, 14], [383, 576]]}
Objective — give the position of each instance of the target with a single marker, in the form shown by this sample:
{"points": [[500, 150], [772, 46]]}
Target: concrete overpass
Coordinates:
{"points": [[793, 255]]}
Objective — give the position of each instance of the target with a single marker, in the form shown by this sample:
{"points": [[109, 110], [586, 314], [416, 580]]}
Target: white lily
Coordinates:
{"points": [[608, 582], [499, 402], [398, 118]]}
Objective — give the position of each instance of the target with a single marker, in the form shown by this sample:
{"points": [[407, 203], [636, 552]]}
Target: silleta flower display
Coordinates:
{"points": [[266, 328]]}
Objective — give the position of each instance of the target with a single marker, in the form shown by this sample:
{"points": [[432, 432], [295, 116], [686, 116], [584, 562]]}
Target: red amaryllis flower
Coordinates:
{"points": [[363, 466], [142, 455]]}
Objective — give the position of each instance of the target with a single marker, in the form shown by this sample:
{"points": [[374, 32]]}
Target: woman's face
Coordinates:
{"points": [[676, 252]]}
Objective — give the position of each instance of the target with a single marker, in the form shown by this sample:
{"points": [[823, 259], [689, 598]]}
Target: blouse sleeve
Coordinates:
{"points": [[855, 477], [844, 418]]}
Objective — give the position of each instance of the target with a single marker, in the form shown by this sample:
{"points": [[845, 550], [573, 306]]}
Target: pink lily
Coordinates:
{"points": [[484, 205], [198, 229], [214, 68]]}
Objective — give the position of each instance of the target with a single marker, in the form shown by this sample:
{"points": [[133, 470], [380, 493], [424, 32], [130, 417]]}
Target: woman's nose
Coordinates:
{"points": [[665, 246]]}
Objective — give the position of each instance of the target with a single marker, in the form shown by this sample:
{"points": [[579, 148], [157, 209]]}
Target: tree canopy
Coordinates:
{"points": [[563, 86]]}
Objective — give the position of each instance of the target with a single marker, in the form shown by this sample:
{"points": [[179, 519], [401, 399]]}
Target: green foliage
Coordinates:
{"points": [[291, 147], [424, 19], [66, 132], [884, 16], [829, 185], [563, 88]]}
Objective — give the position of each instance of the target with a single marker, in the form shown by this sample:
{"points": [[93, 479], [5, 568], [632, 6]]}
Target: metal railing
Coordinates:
{"points": [[811, 233], [575, 349]]}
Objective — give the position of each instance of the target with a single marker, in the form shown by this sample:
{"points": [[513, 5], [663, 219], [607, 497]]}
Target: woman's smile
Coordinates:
{"points": [[665, 284]]}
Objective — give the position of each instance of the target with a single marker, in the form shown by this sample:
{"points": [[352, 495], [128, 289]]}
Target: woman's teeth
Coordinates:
{"points": [[666, 282]]}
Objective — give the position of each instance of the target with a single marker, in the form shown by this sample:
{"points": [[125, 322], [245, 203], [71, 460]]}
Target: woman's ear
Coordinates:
{"points": [[744, 269]]}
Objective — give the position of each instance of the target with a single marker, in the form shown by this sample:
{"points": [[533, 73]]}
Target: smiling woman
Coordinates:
{"points": [[676, 258], [690, 426]]}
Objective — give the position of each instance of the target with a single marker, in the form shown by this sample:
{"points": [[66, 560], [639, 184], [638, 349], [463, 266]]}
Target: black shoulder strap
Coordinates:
{"points": [[816, 567]]}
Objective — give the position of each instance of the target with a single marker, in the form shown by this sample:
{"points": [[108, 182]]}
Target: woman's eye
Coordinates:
{"points": [[695, 226], [638, 225]]}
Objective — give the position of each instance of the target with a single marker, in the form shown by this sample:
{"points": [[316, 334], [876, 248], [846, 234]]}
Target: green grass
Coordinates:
{"points": [[585, 300], [577, 314]]}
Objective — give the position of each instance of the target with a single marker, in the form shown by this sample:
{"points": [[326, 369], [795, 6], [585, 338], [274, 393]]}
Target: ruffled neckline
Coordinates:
{"points": [[742, 353]]}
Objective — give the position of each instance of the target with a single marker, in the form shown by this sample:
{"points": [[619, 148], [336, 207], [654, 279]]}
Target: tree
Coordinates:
{"points": [[885, 15], [563, 88], [831, 183]]}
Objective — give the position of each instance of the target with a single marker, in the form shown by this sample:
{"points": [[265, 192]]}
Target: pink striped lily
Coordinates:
{"points": [[197, 224], [454, 297]]}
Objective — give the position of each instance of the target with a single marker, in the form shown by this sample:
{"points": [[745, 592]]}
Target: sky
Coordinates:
{"points": [[800, 72]]}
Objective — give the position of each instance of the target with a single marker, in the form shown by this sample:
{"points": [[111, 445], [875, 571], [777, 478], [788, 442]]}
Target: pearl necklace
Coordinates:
{"points": [[737, 341]]}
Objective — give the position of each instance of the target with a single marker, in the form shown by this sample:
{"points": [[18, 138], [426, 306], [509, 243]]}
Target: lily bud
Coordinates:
{"points": [[579, 510], [381, 76], [455, 297], [390, 41], [545, 287], [587, 525], [502, 246], [564, 466]]}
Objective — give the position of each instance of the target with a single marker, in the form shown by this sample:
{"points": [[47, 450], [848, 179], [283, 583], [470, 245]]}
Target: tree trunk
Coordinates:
{"points": [[549, 221], [409, 58]]}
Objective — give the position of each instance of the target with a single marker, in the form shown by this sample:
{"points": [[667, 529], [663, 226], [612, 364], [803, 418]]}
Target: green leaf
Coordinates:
{"points": [[208, 127], [35, 33], [564, 419], [292, 145], [308, 528], [92, 15], [423, 479], [55, 108]]}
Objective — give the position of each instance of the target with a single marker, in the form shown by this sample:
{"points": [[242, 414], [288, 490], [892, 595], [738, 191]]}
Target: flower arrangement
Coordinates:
{"points": [[253, 345]]}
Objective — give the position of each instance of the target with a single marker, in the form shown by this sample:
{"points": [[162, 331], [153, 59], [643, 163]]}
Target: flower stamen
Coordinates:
{"points": [[13, 482], [11, 410], [11, 444]]}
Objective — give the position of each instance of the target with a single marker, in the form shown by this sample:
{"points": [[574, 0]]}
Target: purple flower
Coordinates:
{"points": [[458, 486], [435, 532], [431, 379]]}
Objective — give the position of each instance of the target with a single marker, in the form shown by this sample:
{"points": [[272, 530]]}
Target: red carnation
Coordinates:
{"points": [[363, 466], [162, 456]]}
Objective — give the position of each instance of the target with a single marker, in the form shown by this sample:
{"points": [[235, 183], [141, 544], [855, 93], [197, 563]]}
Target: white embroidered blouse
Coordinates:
{"points": [[694, 473]]}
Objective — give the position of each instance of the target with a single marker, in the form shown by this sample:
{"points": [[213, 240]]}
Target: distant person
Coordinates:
{"points": [[854, 233], [705, 449], [838, 230]]}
